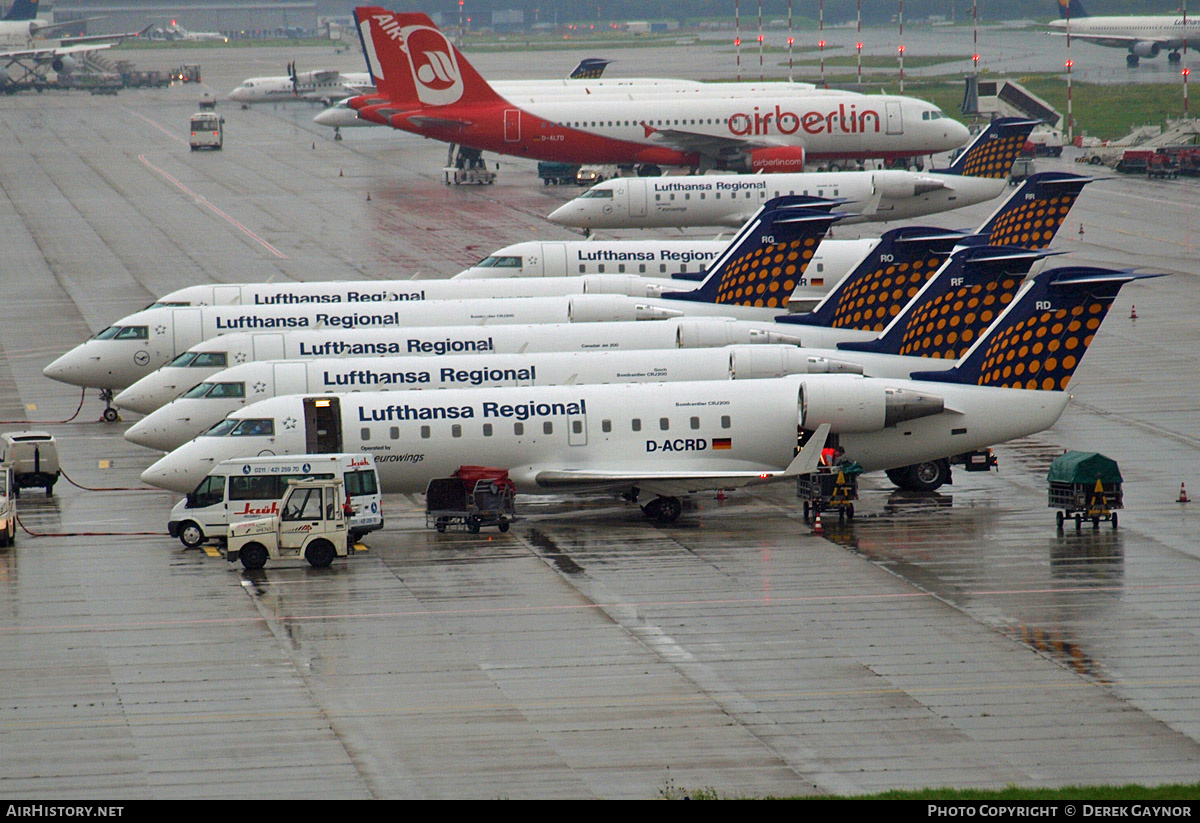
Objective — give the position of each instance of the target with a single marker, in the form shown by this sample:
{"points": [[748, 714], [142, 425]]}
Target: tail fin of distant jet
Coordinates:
{"points": [[884, 282], [1071, 8], [992, 152], [1038, 341], [589, 68], [414, 64], [22, 10], [957, 305], [1032, 215], [766, 260]]}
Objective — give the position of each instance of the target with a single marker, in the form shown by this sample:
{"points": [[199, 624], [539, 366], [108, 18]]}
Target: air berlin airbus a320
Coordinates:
{"points": [[426, 87]]}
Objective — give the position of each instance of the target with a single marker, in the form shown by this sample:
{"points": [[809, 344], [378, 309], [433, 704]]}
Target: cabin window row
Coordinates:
{"points": [[519, 427], [662, 268], [762, 195]]}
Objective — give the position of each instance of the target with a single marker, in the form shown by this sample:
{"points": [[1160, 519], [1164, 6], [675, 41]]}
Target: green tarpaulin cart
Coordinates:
{"points": [[1085, 486]]}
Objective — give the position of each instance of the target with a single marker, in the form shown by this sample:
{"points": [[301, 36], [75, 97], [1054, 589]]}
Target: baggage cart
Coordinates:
{"points": [[828, 488], [473, 497], [1084, 486]]}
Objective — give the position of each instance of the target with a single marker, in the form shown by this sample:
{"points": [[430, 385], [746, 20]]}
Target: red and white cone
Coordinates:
{"points": [[817, 528], [1183, 498], [1133, 312]]}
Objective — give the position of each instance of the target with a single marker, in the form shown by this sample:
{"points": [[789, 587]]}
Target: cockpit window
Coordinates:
{"points": [[198, 390], [499, 261], [183, 360], [223, 428], [107, 334], [171, 304], [209, 359], [600, 194], [228, 390], [932, 115], [133, 333], [255, 427]]}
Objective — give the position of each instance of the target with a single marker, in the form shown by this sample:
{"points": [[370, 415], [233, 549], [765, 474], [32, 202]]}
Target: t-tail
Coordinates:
{"points": [[22, 10], [1071, 8], [993, 151], [1034, 213], [1038, 342], [957, 305], [589, 68], [884, 282], [766, 261], [415, 65]]}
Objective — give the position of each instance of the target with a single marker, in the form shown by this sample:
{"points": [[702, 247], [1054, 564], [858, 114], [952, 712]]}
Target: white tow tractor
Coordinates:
{"points": [[311, 523]]}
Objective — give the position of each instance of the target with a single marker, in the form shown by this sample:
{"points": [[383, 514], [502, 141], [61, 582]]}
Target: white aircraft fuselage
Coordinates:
{"points": [[662, 438], [205, 359], [729, 200]]}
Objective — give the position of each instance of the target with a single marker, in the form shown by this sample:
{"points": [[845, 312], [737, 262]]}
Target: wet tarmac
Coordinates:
{"points": [[953, 639]]}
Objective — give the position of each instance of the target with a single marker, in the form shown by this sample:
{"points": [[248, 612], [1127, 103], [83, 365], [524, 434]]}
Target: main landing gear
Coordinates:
{"points": [[663, 509]]}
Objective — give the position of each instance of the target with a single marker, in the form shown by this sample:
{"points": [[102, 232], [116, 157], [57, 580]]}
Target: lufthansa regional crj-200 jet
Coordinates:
{"points": [[425, 86], [669, 440], [131, 349], [979, 174]]}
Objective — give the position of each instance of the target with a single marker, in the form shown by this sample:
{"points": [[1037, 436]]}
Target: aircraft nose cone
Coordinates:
{"points": [[958, 134], [562, 215], [66, 369], [139, 398], [151, 434], [176, 473], [329, 117], [237, 94]]}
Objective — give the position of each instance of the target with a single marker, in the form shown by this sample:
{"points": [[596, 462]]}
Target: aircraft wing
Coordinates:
{"points": [[50, 52], [103, 38], [685, 482], [710, 145], [439, 122]]}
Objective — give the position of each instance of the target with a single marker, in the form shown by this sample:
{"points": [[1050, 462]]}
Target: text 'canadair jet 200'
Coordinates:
{"points": [[674, 439], [979, 174], [425, 86]]}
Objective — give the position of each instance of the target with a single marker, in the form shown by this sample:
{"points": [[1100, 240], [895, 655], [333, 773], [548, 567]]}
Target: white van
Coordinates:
{"points": [[251, 487], [207, 131], [33, 458], [8, 507]]}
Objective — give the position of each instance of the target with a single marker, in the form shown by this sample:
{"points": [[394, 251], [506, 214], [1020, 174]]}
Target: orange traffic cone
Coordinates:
{"points": [[1081, 230], [720, 494], [1133, 313], [1183, 498], [817, 529]]}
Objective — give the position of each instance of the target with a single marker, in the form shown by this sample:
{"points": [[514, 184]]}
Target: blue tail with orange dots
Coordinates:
{"points": [[1033, 214], [1038, 341], [22, 10], [764, 263], [884, 282], [954, 308], [992, 152], [589, 68]]}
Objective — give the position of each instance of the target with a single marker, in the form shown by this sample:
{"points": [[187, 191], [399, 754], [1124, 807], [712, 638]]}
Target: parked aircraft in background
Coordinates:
{"points": [[979, 174], [425, 86], [1142, 35], [176, 32], [670, 440], [23, 48]]}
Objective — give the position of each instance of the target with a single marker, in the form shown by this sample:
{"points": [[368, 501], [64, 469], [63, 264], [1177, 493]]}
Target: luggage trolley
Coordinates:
{"points": [[1085, 486], [473, 497], [830, 487]]}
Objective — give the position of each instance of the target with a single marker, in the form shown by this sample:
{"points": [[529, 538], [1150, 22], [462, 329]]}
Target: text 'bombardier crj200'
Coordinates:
{"points": [[425, 86]]}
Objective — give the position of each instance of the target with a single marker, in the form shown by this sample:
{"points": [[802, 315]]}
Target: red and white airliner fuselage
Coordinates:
{"points": [[426, 87]]}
